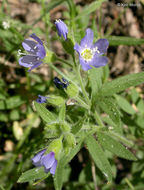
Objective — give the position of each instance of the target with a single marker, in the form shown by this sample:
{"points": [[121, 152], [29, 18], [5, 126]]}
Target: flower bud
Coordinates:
{"points": [[56, 147], [69, 142], [50, 56], [72, 90], [65, 128], [56, 100]]}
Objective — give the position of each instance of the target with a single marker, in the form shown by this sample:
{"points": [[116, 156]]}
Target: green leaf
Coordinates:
{"points": [[90, 8], [121, 84], [2, 105], [11, 102], [140, 106], [109, 121], [120, 138], [33, 174], [68, 46], [109, 106], [3, 117], [72, 90], [55, 100], [99, 157], [114, 146], [14, 115], [95, 76], [58, 178], [105, 73], [77, 127], [62, 112], [73, 152], [123, 40], [46, 115], [134, 95], [124, 105]]}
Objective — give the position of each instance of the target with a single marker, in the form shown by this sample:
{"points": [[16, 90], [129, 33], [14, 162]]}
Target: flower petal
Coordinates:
{"points": [[88, 39], [85, 65], [35, 65], [53, 168], [48, 160], [41, 99], [99, 61], [102, 45], [36, 38], [27, 60], [28, 45], [41, 51], [37, 157], [78, 48]]}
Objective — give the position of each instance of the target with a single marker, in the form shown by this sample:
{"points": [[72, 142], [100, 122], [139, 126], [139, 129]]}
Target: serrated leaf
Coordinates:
{"points": [[123, 40], [45, 114], [109, 106], [32, 174], [114, 146], [121, 84], [90, 8], [99, 157], [124, 105]]}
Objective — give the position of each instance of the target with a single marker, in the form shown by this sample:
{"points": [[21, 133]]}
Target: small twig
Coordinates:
{"points": [[94, 174]]}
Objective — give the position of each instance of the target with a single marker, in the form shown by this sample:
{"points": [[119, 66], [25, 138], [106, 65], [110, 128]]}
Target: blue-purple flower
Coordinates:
{"points": [[92, 54], [47, 160], [36, 52], [61, 28], [41, 99]]}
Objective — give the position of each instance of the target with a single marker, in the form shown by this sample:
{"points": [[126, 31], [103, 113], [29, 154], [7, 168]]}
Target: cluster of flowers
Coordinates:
{"points": [[90, 55]]}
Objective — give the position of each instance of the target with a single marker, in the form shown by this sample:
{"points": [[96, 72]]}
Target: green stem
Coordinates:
{"points": [[77, 68], [64, 61], [98, 119], [129, 184], [1, 187], [60, 73], [82, 103], [28, 80]]}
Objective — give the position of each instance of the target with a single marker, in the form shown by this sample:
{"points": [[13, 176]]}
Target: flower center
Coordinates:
{"points": [[87, 54]]}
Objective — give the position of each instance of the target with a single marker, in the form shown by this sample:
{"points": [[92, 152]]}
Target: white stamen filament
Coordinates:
{"points": [[96, 49]]}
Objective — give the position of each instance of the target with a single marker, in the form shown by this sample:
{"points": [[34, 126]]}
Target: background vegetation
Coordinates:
{"points": [[21, 129]]}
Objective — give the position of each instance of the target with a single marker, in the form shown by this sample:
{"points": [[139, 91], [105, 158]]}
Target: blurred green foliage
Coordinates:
{"points": [[21, 130]]}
